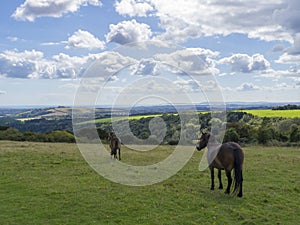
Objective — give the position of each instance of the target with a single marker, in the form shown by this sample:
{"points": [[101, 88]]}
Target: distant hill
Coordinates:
{"points": [[40, 112]]}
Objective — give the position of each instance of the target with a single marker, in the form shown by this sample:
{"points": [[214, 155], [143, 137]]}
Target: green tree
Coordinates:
{"points": [[265, 134], [294, 133], [231, 135], [60, 136]]}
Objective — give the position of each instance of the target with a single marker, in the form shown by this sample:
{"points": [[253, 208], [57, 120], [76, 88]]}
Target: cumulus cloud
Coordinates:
{"points": [[128, 31], [191, 60], [33, 64], [184, 19], [246, 64], [133, 7], [287, 58], [295, 49], [247, 87], [109, 63], [31, 9], [84, 39], [146, 67], [2, 92], [19, 64], [288, 17]]}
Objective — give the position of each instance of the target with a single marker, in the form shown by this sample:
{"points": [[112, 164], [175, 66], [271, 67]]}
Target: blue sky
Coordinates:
{"points": [[252, 48]]}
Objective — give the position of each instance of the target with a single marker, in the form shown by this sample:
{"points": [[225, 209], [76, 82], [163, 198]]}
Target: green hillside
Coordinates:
{"points": [[52, 184]]}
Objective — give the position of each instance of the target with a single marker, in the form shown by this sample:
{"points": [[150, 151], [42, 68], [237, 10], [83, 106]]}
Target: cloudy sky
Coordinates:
{"points": [[252, 48]]}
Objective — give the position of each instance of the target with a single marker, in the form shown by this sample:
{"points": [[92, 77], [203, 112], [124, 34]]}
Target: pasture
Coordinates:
{"points": [[43, 183], [273, 113]]}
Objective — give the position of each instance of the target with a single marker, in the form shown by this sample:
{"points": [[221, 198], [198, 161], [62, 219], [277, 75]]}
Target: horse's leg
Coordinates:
{"points": [[228, 174], [220, 180], [212, 176], [119, 153], [240, 194]]}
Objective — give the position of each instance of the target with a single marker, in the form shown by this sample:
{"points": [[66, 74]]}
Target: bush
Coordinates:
{"points": [[294, 133], [231, 135], [265, 134]]}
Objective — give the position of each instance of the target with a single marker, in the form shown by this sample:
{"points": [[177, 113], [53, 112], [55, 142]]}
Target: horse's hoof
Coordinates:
{"points": [[221, 187], [240, 195]]}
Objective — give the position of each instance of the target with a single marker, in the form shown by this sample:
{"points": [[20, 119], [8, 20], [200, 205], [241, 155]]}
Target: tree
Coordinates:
{"points": [[60, 136], [265, 134], [294, 133], [231, 135]]}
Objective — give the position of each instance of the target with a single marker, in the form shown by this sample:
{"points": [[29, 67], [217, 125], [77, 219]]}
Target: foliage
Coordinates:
{"points": [[38, 125], [286, 107], [231, 135], [54, 136], [242, 127], [295, 133]]}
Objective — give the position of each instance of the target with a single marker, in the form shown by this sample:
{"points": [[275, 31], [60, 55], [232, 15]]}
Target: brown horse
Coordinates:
{"points": [[228, 156], [115, 145]]}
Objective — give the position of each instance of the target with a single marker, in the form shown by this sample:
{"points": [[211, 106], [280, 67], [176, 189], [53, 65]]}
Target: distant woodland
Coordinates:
{"points": [[241, 127]]}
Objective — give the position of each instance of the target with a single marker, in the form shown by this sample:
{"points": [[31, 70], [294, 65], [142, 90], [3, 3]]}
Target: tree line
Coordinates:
{"points": [[286, 107], [241, 127], [13, 134]]}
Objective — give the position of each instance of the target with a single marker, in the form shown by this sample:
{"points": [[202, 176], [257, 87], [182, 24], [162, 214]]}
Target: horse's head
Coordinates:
{"points": [[202, 143], [111, 134]]}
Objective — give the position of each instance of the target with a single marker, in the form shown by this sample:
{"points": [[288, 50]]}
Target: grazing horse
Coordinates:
{"points": [[228, 156], [115, 145]]}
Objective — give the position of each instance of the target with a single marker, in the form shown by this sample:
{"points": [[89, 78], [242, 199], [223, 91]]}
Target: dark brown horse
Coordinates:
{"points": [[115, 145], [228, 156]]}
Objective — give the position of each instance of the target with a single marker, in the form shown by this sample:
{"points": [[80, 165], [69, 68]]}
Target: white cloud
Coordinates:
{"points": [[146, 67], [33, 64], [133, 7], [84, 39], [184, 19], [288, 17], [295, 49], [109, 63], [192, 60], [19, 64], [286, 58], [2, 92], [246, 64], [248, 87], [128, 31], [32, 9]]}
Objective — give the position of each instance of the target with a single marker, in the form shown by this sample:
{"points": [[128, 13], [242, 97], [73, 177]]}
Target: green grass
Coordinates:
{"points": [[52, 184], [273, 113]]}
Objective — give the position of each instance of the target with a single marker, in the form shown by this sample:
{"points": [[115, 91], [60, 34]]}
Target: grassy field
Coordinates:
{"points": [[273, 113], [52, 184], [117, 118], [255, 112]]}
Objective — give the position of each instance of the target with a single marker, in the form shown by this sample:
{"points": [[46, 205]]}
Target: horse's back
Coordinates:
{"points": [[228, 153]]}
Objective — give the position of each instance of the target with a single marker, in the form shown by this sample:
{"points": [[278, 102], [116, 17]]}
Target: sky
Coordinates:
{"points": [[246, 51]]}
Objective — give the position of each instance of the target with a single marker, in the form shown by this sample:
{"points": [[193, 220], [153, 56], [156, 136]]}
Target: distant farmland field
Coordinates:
{"points": [[273, 113]]}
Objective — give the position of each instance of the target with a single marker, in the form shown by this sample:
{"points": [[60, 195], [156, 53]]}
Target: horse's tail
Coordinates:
{"points": [[238, 170]]}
